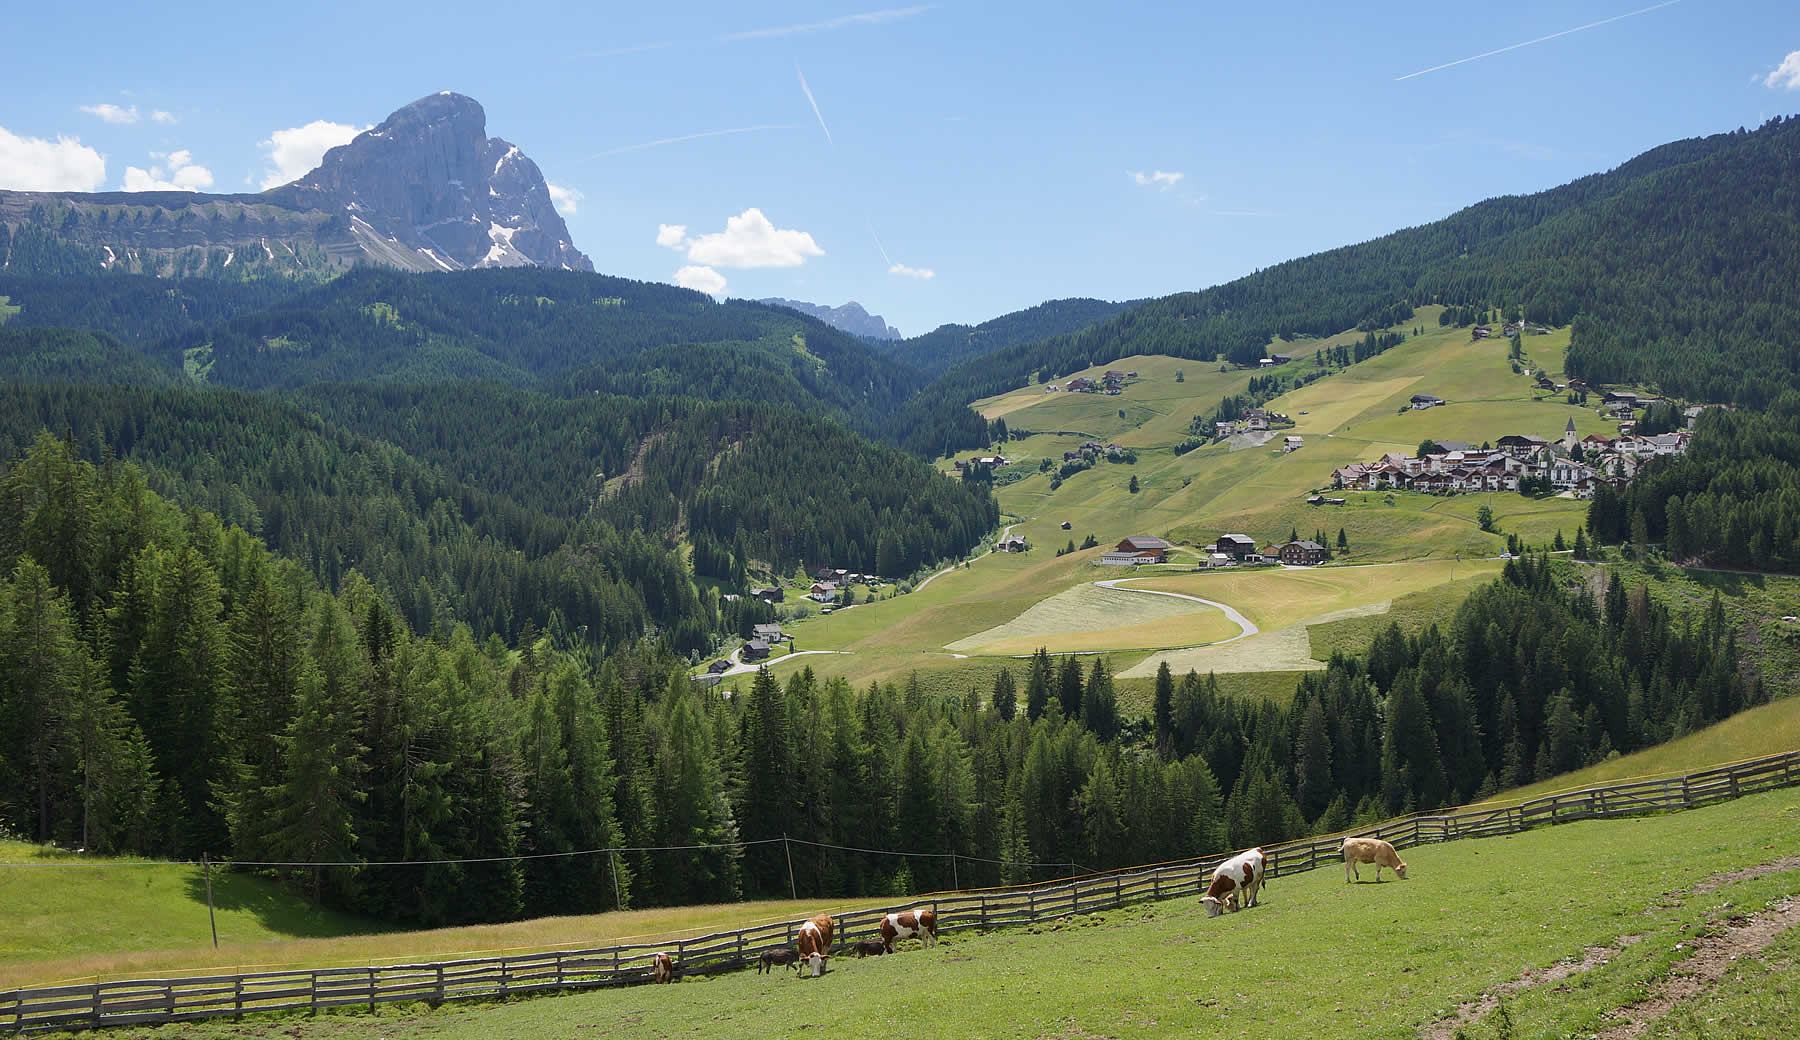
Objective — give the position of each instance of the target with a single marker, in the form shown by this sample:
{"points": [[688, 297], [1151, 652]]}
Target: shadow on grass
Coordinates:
{"points": [[276, 907]]}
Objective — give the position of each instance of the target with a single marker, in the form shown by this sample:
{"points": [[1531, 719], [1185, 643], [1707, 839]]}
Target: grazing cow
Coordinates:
{"points": [[814, 943], [770, 958], [1371, 850], [922, 923], [662, 969], [870, 948], [1241, 875]]}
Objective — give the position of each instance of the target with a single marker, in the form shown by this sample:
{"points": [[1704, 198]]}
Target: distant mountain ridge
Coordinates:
{"points": [[426, 190], [953, 344], [851, 317]]}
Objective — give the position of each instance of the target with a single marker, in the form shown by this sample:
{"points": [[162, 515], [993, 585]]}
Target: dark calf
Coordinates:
{"points": [[870, 948], [781, 955]]}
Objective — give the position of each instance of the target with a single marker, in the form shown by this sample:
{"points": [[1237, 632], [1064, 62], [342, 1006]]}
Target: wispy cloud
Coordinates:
{"points": [[165, 118], [815, 106], [1787, 74], [847, 21], [1163, 179], [693, 137], [1541, 39], [112, 113], [566, 200], [840, 22], [921, 273]]}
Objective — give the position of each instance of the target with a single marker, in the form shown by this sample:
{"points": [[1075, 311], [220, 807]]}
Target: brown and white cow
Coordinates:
{"points": [[814, 943], [922, 923], [662, 968], [1235, 882]]}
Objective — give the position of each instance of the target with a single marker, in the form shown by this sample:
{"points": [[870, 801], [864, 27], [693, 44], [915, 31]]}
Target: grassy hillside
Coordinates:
{"points": [[1318, 958], [71, 914]]}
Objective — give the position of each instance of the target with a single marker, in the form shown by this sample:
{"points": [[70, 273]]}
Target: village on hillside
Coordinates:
{"points": [[1522, 462]]}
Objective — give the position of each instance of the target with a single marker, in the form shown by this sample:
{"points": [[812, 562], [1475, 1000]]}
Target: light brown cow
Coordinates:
{"points": [[662, 968], [814, 943], [922, 923], [1239, 876], [1371, 850]]}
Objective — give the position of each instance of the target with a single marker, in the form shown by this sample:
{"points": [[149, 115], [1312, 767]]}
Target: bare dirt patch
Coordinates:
{"points": [[1743, 935], [1718, 881], [1473, 1011]]}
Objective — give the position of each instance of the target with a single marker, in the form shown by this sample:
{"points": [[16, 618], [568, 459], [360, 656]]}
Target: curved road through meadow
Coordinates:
{"points": [[1247, 626]]}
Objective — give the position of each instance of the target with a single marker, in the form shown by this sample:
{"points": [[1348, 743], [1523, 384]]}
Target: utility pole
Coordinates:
{"points": [[787, 847], [206, 866]]}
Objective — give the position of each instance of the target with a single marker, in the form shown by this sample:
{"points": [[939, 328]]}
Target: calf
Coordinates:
{"points": [[1371, 850], [662, 968], [770, 958], [870, 948], [813, 942], [922, 923], [1239, 876]]}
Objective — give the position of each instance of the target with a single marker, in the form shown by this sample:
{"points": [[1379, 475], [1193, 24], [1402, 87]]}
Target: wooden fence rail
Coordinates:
{"points": [[140, 1001]]}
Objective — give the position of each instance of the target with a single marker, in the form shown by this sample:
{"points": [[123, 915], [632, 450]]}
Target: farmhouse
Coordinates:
{"points": [[1126, 558], [1014, 544], [1521, 445], [1290, 442], [1146, 546], [755, 650], [1236, 546], [718, 666], [1420, 402], [1257, 419], [768, 633], [1303, 554], [771, 594]]}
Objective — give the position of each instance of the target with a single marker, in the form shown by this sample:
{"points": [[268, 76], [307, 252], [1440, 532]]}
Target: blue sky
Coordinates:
{"points": [[964, 159]]}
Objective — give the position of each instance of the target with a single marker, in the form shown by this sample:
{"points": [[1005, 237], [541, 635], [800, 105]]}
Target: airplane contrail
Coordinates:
{"points": [[815, 106], [1541, 39], [882, 249], [693, 137]]}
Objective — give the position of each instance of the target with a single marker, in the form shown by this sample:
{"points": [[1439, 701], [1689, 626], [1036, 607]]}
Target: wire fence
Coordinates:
{"points": [[144, 1001]]}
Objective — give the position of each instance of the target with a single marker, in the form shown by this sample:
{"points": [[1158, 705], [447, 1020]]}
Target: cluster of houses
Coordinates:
{"points": [[1516, 458], [1232, 550], [1111, 383], [1253, 420], [1091, 450], [1274, 359], [1510, 329], [828, 582], [983, 460]]}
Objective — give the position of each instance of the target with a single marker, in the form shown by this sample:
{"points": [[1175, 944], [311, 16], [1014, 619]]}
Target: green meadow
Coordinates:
{"points": [[1317, 957]]}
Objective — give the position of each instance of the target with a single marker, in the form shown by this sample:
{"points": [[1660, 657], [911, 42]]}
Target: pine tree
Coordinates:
{"points": [[1006, 698], [1040, 684], [1099, 705], [1162, 712], [767, 807]]}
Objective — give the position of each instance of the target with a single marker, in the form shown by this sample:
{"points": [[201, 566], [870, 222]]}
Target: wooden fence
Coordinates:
{"points": [[142, 1001]]}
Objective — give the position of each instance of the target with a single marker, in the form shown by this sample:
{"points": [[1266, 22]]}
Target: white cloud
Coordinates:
{"points": [[165, 118], [671, 236], [294, 152], [920, 273], [174, 171], [34, 164], [702, 279], [113, 113], [566, 200], [1163, 179], [1787, 74], [749, 240]]}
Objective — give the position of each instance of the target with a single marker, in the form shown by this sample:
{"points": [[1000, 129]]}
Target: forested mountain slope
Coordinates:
{"points": [[953, 344], [1676, 269]]}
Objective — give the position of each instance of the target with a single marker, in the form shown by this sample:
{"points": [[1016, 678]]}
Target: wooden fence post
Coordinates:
{"points": [[440, 984], [313, 991], [371, 991], [237, 998], [96, 1003]]}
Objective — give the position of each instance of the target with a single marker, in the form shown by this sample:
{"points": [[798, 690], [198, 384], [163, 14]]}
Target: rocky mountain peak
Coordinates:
{"points": [[850, 317], [427, 189]]}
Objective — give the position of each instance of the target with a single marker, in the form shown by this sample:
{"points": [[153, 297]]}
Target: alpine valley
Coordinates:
{"points": [[359, 521]]}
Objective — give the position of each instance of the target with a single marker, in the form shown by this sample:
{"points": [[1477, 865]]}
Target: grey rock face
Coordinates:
{"points": [[430, 182], [849, 318], [427, 190]]}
